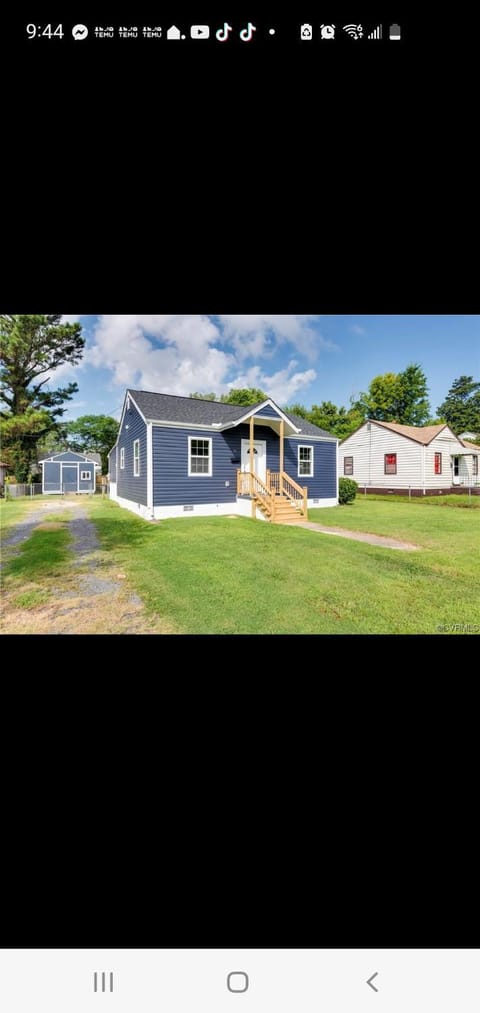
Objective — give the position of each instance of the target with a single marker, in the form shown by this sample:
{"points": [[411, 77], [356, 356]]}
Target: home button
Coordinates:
{"points": [[237, 981]]}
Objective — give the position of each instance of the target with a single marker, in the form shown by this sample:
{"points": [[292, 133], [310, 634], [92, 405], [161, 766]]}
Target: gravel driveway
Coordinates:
{"points": [[92, 596]]}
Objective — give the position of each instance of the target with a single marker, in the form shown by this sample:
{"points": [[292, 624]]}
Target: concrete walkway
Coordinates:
{"points": [[359, 536]]}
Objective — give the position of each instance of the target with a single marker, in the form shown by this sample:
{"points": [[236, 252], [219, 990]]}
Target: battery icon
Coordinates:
{"points": [[395, 32]]}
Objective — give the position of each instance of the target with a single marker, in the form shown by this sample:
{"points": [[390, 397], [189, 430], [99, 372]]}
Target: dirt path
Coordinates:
{"points": [[91, 596], [359, 536]]}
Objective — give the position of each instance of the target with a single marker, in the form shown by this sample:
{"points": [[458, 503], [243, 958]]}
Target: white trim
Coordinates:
{"points": [[82, 476], [256, 409], [200, 474], [310, 474], [220, 428], [122, 458], [188, 425], [83, 458], [136, 459], [129, 395], [327, 502], [318, 439], [149, 466], [238, 507]]}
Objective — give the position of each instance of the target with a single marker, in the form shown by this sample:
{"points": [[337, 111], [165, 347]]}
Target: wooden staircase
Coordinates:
{"points": [[280, 498]]}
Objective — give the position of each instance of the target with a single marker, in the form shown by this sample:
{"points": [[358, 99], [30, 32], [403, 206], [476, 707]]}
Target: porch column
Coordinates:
{"points": [[282, 437], [252, 423]]}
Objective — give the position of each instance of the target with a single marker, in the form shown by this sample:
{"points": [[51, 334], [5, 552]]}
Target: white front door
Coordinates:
{"points": [[259, 457]]}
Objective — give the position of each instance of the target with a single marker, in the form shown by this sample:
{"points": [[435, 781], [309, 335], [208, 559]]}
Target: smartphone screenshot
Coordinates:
{"points": [[240, 434]]}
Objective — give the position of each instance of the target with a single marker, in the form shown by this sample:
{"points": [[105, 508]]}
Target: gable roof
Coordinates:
{"points": [[73, 456], [420, 434], [196, 411], [471, 446]]}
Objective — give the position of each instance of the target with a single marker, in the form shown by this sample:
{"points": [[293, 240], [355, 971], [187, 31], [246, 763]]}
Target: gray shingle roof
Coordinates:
{"points": [[171, 408]]}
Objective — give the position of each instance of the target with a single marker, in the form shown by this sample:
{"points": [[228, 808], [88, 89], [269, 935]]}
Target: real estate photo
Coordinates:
{"points": [[288, 474]]}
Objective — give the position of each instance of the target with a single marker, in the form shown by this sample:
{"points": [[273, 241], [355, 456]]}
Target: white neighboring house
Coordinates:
{"points": [[389, 457]]}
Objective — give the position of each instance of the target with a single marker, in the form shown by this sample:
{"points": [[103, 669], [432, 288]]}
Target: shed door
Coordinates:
{"points": [[69, 478]]}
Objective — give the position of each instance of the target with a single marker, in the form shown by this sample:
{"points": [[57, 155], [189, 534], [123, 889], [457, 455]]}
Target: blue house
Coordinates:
{"points": [[68, 472], [181, 456]]}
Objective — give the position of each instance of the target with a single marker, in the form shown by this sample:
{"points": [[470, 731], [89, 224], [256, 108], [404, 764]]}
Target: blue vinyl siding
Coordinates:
{"points": [[172, 486], [323, 483], [268, 412], [128, 486], [112, 465]]}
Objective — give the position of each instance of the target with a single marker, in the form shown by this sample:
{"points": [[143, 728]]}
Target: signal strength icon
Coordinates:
{"points": [[376, 34]]}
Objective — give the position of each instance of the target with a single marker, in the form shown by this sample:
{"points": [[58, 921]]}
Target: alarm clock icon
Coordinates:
{"points": [[327, 31]]}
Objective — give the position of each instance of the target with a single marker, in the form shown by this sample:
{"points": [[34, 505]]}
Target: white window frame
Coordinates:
{"points": [[136, 459], [122, 458], [302, 474], [200, 474], [85, 476]]}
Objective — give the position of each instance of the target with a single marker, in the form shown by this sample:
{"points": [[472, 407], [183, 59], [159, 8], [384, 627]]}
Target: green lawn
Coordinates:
{"points": [[221, 575], [12, 511]]}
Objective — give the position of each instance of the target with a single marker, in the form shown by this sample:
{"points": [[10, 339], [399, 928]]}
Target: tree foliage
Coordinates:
{"points": [[31, 347], [244, 396], [396, 397], [461, 407], [241, 396], [94, 434]]}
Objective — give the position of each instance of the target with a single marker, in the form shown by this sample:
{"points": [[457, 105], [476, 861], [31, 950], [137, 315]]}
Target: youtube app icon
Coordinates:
{"points": [[199, 32]]}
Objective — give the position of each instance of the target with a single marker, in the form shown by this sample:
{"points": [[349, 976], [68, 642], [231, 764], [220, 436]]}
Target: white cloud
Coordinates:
{"points": [[179, 354], [258, 336], [356, 329], [283, 385], [70, 318], [188, 358]]}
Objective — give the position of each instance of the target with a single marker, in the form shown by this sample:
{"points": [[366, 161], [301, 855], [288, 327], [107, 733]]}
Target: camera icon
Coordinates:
{"points": [[306, 32]]}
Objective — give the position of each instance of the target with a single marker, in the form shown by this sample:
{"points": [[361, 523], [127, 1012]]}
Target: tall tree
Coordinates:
{"points": [[204, 397], [244, 396], [94, 434], [412, 406], [31, 346], [461, 407], [396, 397]]}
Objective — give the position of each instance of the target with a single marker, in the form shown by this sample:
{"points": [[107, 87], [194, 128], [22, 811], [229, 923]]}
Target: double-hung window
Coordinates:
{"points": [[136, 458], [305, 461], [199, 456], [390, 464]]}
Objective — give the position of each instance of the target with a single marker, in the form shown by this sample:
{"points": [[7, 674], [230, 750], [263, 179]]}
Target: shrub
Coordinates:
{"points": [[347, 490]]}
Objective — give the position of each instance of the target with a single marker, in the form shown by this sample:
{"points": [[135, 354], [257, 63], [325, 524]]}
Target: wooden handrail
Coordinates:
{"points": [[249, 483], [291, 481]]}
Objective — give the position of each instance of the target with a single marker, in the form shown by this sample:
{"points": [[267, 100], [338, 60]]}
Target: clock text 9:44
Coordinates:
{"points": [[47, 31]]}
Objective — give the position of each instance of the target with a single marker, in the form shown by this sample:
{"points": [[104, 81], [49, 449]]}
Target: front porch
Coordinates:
{"points": [[279, 497]]}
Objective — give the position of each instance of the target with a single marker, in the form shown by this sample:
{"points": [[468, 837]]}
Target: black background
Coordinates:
{"points": [[193, 794]]}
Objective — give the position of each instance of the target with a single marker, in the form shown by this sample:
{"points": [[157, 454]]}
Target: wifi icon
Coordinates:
{"points": [[354, 31]]}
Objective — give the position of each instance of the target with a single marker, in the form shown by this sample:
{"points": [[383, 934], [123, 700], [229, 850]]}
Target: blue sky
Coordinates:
{"points": [[292, 357]]}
